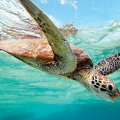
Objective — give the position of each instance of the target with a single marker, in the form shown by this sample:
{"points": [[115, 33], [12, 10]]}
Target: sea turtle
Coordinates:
{"points": [[56, 56]]}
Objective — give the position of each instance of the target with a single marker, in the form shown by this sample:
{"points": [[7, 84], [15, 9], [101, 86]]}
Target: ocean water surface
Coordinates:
{"points": [[30, 94]]}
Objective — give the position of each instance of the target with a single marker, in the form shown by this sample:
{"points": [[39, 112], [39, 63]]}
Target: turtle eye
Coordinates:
{"points": [[110, 87]]}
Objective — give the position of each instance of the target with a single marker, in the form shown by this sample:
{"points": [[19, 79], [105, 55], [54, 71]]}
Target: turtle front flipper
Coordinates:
{"points": [[109, 65], [65, 60]]}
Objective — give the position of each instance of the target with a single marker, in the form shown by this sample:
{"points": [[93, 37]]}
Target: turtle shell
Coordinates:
{"points": [[40, 50]]}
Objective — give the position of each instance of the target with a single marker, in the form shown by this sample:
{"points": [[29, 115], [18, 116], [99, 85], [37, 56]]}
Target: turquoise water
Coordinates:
{"points": [[29, 94]]}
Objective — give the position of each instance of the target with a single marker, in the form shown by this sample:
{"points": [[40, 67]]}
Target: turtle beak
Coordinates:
{"points": [[116, 95]]}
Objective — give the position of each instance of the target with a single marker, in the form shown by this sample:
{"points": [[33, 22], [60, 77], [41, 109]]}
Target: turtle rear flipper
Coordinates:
{"points": [[66, 61], [109, 65]]}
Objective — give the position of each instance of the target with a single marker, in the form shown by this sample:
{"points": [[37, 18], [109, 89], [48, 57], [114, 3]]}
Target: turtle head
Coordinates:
{"points": [[103, 87]]}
